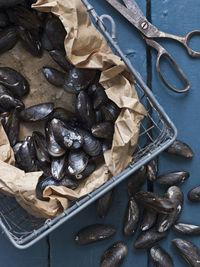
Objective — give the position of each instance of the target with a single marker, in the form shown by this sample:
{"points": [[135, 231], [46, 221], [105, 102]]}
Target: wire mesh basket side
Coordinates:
{"points": [[24, 230]]}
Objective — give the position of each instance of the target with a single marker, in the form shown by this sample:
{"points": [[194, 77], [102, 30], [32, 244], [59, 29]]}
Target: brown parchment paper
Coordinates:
{"points": [[85, 47]]}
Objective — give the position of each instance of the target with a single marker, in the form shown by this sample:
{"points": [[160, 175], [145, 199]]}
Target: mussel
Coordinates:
{"points": [[154, 201], [69, 183], [62, 114], [98, 95], [58, 166], [160, 257], [188, 251], [12, 127], [137, 180], [77, 162], [37, 112], [148, 219], [78, 79], [46, 44], [152, 169], [54, 76], [98, 116], [131, 218], [54, 149], [110, 111], [149, 238], [194, 194], [94, 233], [59, 56], [8, 102], [4, 21], [55, 32], [173, 178], [165, 221], [89, 169], [8, 39], [187, 229], [43, 182], [66, 136], [181, 149], [40, 144], [114, 255], [103, 130], [103, 204], [85, 109], [14, 81]]}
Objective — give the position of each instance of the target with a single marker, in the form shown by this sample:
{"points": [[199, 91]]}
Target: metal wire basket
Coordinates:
{"points": [[156, 134]]}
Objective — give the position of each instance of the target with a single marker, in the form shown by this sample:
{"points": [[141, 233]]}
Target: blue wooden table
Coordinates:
{"points": [[59, 249]]}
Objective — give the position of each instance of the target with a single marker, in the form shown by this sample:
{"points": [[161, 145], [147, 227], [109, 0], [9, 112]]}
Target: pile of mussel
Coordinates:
{"points": [[70, 145], [160, 214]]}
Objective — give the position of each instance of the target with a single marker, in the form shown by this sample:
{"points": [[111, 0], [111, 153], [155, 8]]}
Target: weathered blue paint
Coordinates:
{"points": [[177, 17]]}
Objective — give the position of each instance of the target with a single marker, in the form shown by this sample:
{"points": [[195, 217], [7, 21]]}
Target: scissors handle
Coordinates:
{"points": [[162, 52]]}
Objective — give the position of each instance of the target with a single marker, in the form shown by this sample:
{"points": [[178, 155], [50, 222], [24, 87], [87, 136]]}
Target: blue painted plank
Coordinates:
{"points": [[180, 17], [64, 251]]}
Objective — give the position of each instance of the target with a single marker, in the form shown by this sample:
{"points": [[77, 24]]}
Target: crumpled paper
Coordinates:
{"points": [[86, 48]]}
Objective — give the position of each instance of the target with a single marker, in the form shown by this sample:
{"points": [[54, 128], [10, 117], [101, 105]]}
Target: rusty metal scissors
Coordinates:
{"points": [[135, 16]]}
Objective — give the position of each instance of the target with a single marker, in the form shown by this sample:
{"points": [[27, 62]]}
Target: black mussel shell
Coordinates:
{"points": [[78, 79], [55, 32], [160, 257], [77, 162], [14, 81], [97, 92], [94, 233], [54, 149], [43, 182], [25, 157], [54, 76], [181, 149], [110, 111], [46, 44], [37, 113], [69, 183], [40, 144], [4, 118], [187, 229], [149, 238], [17, 146], [149, 217], [194, 194], [166, 221], [114, 255], [59, 56], [91, 145], [25, 17], [62, 114], [131, 218], [106, 145], [103, 130], [86, 172], [66, 136], [12, 127], [154, 201], [10, 3], [137, 180], [8, 102], [4, 21], [152, 169], [58, 166], [188, 251], [30, 41], [173, 178], [8, 39], [46, 168], [85, 109], [103, 204], [98, 116]]}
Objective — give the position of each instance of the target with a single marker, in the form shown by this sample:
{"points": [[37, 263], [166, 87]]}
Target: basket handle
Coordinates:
{"points": [[112, 22]]}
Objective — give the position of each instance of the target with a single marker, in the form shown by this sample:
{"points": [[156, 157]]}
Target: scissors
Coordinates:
{"points": [[135, 16]]}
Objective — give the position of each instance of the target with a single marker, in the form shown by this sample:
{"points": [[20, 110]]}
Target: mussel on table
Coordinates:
{"points": [[110, 111], [8, 39], [173, 178], [14, 81], [58, 167], [85, 109], [40, 144], [37, 112], [180, 148], [54, 76], [8, 101], [103, 204], [103, 130], [54, 149], [30, 41], [187, 229], [152, 169], [79, 79], [114, 255], [149, 218], [94, 233], [77, 162], [12, 127], [66, 136], [131, 218], [160, 257], [194, 194], [59, 56]]}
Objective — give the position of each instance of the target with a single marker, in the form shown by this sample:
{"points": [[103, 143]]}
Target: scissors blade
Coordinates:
{"points": [[132, 5]]}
